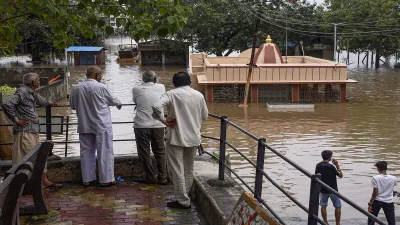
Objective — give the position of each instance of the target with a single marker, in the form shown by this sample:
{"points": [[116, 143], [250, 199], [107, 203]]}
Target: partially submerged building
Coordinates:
{"points": [[163, 52], [88, 55], [301, 79]]}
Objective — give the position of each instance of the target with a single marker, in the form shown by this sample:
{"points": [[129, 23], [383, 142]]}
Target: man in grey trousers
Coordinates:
{"points": [[148, 130]]}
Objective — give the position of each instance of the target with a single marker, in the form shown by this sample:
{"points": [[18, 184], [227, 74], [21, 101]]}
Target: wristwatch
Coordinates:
{"points": [[369, 204]]}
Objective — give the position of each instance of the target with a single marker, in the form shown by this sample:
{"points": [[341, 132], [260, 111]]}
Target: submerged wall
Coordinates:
{"points": [[13, 76]]}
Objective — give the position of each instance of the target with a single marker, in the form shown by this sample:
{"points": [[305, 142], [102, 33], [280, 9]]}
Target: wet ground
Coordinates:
{"points": [[126, 203]]}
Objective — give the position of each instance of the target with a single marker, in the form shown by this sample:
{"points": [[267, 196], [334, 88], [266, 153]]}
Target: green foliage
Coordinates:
{"points": [[66, 21], [38, 34], [216, 26], [373, 24], [7, 91]]}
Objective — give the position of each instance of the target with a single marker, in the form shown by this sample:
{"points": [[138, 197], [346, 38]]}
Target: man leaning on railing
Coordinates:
{"points": [[20, 108], [91, 100], [148, 130], [186, 110]]}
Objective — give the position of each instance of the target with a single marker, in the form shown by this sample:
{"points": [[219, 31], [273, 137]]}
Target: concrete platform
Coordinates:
{"points": [[290, 107]]}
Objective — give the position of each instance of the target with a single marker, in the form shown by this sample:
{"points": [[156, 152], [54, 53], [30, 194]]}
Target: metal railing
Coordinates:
{"points": [[316, 182], [67, 124], [315, 179]]}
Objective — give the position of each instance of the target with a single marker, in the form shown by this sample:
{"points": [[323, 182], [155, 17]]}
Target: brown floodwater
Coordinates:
{"points": [[359, 132]]}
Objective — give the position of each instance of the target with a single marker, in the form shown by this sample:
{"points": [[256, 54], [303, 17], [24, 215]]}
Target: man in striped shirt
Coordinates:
{"points": [[20, 108]]}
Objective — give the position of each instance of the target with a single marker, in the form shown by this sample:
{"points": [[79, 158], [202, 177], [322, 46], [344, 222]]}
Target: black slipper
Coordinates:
{"points": [[108, 184], [54, 185], [163, 182], [177, 205], [88, 184], [144, 181]]}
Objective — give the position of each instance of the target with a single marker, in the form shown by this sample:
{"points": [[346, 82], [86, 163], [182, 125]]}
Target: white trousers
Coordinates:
{"points": [[103, 143], [180, 161]]}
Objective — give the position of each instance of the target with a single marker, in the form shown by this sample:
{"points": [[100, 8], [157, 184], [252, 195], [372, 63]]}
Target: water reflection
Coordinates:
{"points": [[359, 133]]}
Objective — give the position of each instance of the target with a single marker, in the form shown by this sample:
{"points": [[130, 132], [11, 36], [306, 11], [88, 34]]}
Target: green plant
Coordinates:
{"points": [[7, 90]]}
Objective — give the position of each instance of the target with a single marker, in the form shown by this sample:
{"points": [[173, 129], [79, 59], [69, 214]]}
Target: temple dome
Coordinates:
{"points": [[268, 53]]}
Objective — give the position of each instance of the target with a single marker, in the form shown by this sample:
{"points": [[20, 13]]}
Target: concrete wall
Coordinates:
{"points": [[228, 60], [69, 169], [13, 76], [234, 70], [55, 91], [284, 73]]}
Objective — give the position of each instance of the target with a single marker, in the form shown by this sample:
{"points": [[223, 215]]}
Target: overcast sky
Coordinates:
{"points": [[317, 1]]}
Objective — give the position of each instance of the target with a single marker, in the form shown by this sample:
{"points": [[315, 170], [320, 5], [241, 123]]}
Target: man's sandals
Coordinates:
{"points": [[53, 185], [108, 184], [88, 184]]}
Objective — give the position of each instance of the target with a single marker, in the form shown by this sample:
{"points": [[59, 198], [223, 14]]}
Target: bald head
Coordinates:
{"points": [[94, 72]]}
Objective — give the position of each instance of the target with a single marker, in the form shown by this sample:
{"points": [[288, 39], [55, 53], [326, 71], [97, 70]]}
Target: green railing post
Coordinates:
{"points": [[260, 167], [48, 126], [222, 148], [314, 200]]}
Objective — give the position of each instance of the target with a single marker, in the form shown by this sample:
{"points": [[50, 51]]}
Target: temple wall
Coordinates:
{"points": [[285, 73]]}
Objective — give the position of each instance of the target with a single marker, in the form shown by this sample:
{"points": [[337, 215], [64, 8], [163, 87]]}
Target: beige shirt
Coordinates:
{"points": [[188, 107]]}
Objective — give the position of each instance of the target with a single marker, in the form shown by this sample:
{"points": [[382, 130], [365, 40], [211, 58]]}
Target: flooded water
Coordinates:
{"points": [[359, 133]]}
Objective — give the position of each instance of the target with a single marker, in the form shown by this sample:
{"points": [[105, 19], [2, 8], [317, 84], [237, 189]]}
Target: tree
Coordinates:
{"points": [[366, 25], [38, 35], [218, 26], [141, 18]]}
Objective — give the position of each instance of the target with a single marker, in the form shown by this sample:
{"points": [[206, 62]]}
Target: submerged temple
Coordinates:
{"points": [[274, 79]]}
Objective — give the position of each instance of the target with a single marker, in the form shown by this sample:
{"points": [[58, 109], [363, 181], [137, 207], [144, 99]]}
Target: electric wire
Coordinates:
{"points": [[326, 34]]}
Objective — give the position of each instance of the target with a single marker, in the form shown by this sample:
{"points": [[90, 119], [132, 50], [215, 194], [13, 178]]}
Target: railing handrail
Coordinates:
{"points": [[61, 106], [295, 165]]}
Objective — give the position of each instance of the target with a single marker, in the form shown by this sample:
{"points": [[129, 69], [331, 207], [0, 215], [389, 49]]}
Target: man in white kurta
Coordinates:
{"points": [[91, 100], [186, 109]]}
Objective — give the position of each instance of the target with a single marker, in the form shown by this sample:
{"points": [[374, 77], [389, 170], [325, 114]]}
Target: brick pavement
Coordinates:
{"points": [[127, 203]]}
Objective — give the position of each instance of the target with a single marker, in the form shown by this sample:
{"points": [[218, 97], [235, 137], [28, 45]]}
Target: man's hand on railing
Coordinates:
{"points": [[54, 103], [201, 150]]}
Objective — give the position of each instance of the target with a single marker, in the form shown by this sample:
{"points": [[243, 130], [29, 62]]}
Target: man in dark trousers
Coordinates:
{"points": [[328, 176], [382, 194]]}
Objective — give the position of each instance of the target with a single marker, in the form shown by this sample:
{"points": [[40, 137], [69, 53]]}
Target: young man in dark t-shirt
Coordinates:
{"points": [[328, 176]]}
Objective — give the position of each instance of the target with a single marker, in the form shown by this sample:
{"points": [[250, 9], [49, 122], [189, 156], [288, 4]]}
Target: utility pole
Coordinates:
{"points": [[66, 71], [286, 35], [251, 64], [335, 44]]}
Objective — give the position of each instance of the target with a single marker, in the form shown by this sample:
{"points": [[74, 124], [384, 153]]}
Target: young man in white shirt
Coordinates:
{"points": [[382, 194], [186, 111], [148, 130]]}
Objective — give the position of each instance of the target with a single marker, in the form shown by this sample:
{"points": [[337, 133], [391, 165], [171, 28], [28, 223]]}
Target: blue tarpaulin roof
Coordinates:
{"points": [[84, 49]]}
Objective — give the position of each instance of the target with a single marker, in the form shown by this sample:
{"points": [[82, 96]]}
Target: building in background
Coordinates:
{"points": [[163, 52], [87, 55]]}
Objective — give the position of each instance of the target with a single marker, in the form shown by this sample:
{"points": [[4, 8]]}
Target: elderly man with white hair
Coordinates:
{"points": [[149, 130], [91, 100], [20, 108]]}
